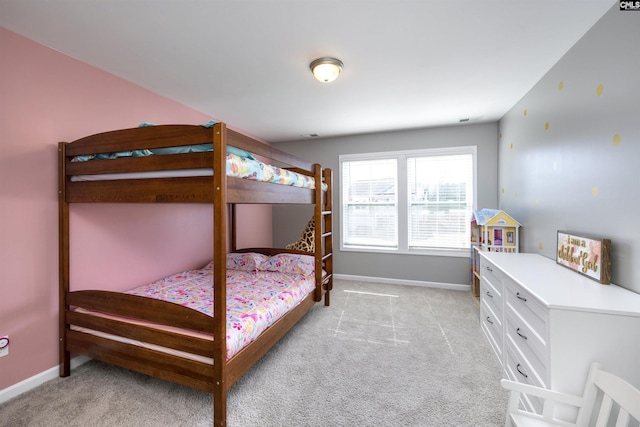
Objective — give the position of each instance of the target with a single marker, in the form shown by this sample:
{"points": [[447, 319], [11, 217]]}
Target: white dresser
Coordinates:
{"points": [[547, 323]]}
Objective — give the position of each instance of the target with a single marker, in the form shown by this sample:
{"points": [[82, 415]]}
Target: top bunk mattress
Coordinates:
{"points": [[240, 164]]}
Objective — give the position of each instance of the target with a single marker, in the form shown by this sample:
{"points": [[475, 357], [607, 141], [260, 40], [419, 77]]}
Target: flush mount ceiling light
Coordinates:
{"points": [[326, 69]]}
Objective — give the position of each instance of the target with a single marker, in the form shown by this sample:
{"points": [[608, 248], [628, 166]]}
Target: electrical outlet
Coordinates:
{"points": [[4, 346]]}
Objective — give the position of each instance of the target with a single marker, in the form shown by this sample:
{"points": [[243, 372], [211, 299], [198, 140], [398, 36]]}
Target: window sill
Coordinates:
{"points": [[454, 253]]}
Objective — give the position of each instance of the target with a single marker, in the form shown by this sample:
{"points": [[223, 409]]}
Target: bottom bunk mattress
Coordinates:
{"points": [[260, 290]]}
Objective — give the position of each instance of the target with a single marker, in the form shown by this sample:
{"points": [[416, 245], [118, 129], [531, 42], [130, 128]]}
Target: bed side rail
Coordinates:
{"points": [[140, 164], [118, 327], [163, 136], [276, 157], [143, 308], [133, 317], [190, 373], [139, 139], [273, 251]]}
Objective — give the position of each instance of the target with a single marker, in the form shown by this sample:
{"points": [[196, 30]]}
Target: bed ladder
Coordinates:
{"points": [[324, 235]]}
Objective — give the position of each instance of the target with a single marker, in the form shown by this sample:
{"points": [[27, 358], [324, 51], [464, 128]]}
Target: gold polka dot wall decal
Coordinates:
{"points": [[537, 202], [595, 191], [540, 245], [503, 191], [511, 146], [546, 126], [560, 85], [599, 89], [616, 140], [525, 111], [515, 195]]}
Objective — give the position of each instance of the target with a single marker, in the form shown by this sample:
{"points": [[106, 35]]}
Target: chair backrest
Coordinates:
{"points": [[619, 399], [607, 400]]}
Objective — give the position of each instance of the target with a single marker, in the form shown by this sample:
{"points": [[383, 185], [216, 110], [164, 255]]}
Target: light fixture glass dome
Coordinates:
{"points": [[326, 69]]}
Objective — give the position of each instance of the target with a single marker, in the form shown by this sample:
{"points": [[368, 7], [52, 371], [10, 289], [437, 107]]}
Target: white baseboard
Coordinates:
{"points": [[38, 379], [450, 286]]}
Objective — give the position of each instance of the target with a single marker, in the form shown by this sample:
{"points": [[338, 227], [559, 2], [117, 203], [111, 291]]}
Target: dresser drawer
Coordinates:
{"points": [[518, 369], [525, 354], [491, 296], [531, 344], [533, 313], [491, 274], [491, 288], [491, 325]]}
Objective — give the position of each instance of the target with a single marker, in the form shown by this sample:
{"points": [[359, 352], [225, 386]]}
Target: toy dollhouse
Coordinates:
{"points": [[492, 230]]}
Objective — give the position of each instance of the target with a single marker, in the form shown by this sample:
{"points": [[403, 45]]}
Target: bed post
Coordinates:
{"points": [[219, 274], [232, 226], [63, 260]]}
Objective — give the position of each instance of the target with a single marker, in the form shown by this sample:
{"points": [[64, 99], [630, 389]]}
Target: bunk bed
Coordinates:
{"points": [[182, 344]]}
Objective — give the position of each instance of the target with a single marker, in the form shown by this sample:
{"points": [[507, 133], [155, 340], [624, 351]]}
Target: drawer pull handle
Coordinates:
{"points": [[489, 320], [489, 269], [520, 372], [518, 332], [489, 294], [520, 297]]}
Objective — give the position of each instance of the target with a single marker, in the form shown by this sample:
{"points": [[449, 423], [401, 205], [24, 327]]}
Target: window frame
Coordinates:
{"points": [[403, 198]]}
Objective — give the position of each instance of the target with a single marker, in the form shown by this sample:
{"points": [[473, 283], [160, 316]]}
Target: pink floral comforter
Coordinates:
{"points": [[255, 299]]}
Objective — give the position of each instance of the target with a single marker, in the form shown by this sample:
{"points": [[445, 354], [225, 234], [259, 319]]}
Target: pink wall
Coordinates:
{"points": [[46, 97]]}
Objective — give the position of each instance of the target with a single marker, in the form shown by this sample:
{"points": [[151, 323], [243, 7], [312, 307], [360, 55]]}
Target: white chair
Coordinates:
{"points": [[620, 402]]}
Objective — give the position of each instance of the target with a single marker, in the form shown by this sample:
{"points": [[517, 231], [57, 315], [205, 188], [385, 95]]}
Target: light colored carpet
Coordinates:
{"points": [[380, 355]]}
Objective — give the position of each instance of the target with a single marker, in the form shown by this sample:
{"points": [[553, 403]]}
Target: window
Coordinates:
{"points": [[408, 202]]}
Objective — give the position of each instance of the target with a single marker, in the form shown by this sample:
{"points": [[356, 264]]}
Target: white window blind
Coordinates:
{"points": [[370, 203], [410, 201], [440, 200]]}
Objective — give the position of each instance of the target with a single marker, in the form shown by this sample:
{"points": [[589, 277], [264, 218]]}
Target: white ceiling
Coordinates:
{"points": [[408, 64]]}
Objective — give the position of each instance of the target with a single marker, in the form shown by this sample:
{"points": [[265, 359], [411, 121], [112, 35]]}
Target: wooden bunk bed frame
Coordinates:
{"points": [[220, 190]]}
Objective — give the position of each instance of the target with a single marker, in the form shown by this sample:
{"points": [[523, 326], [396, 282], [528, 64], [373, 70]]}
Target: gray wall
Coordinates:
{"points": [[580, 173], [288, 223]]}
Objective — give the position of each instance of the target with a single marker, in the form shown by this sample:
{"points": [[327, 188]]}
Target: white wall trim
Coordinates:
{"points": [[38, 379], [450, 286]]}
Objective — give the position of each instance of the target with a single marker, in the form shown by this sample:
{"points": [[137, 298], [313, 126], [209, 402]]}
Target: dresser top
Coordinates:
{"points": [[558, 287]]}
